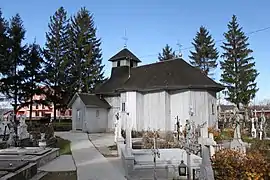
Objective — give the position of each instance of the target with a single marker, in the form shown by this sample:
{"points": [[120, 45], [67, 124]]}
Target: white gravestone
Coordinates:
{"points": [[4, 130], [253, 129], [22, 128], [237, 142], [128, 131], [117, 127]]}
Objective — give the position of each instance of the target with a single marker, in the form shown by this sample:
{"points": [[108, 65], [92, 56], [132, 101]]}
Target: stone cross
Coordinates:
{"points": [[253, 129], [116, 126], [128, 131]]}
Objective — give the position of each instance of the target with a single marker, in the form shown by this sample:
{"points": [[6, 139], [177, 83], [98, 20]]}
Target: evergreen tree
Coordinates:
{"points": [[205, 55], [11, 80], [3, 45], [55, 53], [32, 74], [85, 53], [238, 68], [167, 54]]}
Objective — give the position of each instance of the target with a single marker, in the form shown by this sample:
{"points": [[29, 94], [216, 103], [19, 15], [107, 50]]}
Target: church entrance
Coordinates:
{"points": [[79, 120]]}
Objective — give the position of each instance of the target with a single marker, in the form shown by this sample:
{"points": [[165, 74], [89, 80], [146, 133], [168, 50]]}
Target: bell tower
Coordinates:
{"points": [[124, 58]]}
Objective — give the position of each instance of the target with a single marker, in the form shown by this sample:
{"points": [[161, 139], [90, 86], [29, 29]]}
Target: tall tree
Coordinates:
{"points": [[32, 74], [55, 53], [205, 55], [167, 53], [86, 62], [238, 67], [3, 45], [11, 80]]}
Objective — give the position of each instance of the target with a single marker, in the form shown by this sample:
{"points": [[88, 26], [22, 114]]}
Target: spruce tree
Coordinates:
{"points": [[238, 67], [205, 55], [12, 78], [167, 54], [3, 46], [85, 52], [32, 74], [55, 53]]}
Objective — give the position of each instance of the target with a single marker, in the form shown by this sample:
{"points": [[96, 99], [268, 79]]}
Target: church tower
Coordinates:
{"points": [[124, 58]]}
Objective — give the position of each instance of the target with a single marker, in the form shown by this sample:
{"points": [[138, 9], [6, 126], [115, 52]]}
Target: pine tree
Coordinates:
{"points": [[167, 54], [86, 67], [32, 74], [238, 68], [205, 55], [55, 53], [12, 86], [3, 45]]}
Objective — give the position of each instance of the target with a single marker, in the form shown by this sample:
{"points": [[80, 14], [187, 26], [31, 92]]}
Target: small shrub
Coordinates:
{"points": [[233, 165]]}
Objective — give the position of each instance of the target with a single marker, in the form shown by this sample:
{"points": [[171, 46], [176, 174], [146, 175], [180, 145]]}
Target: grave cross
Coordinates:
{"points": [[156, 154]]}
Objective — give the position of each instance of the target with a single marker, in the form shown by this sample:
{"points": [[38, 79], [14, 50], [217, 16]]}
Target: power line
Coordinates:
{"points": [[218, 41]]}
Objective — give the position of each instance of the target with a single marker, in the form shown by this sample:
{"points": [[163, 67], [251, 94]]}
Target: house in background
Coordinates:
{"points": [[39, 110], [153, 95]]}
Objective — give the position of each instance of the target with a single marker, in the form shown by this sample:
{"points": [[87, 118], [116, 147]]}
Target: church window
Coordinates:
{"points": [[123, 107], [213, 109], [118, 63]]}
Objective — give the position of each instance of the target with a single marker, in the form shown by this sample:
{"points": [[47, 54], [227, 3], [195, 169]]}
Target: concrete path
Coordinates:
{"points": [[91, 165], [60, 164]]}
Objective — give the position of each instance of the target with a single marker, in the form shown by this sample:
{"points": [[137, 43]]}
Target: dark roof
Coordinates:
{"points": [[168, 75], [124, 54], [119, 75], [90, 99]]}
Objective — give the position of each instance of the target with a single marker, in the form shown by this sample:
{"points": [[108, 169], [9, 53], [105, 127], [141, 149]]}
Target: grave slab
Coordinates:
{"points": [[12, 165], [3, 173]]}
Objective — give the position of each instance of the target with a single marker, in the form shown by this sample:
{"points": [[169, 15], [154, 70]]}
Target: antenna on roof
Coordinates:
{"points": [[125, 39], [179, 49]]}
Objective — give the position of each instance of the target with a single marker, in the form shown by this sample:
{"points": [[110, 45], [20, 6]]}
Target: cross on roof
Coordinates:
{"points": [[125, 39]]}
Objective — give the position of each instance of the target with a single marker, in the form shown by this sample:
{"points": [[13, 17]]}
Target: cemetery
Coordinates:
{"points": [[23, 154], [161, 155]]}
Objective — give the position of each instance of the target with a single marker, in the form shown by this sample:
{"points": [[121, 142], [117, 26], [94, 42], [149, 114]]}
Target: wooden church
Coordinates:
{"points": [[153, 95]]}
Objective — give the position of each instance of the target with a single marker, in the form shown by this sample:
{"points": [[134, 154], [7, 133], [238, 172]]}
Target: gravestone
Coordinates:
{"points": [[128, 131], [22, 128], [237, 142]]}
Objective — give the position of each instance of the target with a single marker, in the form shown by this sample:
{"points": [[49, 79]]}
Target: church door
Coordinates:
{"points": [[79, 120]]}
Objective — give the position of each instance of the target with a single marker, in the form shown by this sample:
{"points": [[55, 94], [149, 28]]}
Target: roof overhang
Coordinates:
{"points": [[157, 88], [75, 96]]}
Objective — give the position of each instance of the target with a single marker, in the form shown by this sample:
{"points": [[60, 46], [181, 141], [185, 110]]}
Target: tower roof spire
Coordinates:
{"points": [[125, 39]]}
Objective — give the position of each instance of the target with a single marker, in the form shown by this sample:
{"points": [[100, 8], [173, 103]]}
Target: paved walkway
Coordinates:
{"points": [[91, 165]]}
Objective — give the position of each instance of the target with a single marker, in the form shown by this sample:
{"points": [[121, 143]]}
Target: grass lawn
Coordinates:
{"points": [[64, 146]]}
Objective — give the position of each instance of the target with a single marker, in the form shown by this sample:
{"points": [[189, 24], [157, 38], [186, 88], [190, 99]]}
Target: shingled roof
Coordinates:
{"points": [[123, 54], [168, 75], [118, 77], [90, 99]]}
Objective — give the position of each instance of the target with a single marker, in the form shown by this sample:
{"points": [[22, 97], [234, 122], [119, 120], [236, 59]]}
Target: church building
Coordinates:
{"points": [[154, 96]]}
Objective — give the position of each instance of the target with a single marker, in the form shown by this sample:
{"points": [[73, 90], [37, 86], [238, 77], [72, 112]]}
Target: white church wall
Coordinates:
{"points": [[154, 111], [140, 110], [212, 109], [179, 106], [131, 108], [167, 112], [115, 107], [200, 104]]}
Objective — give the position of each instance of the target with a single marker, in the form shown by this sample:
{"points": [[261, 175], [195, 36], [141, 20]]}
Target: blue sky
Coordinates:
{"points": [[150, 24]]}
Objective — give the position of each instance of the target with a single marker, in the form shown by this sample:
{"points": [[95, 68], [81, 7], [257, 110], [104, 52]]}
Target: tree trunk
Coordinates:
{"points": [[54, 111]]}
